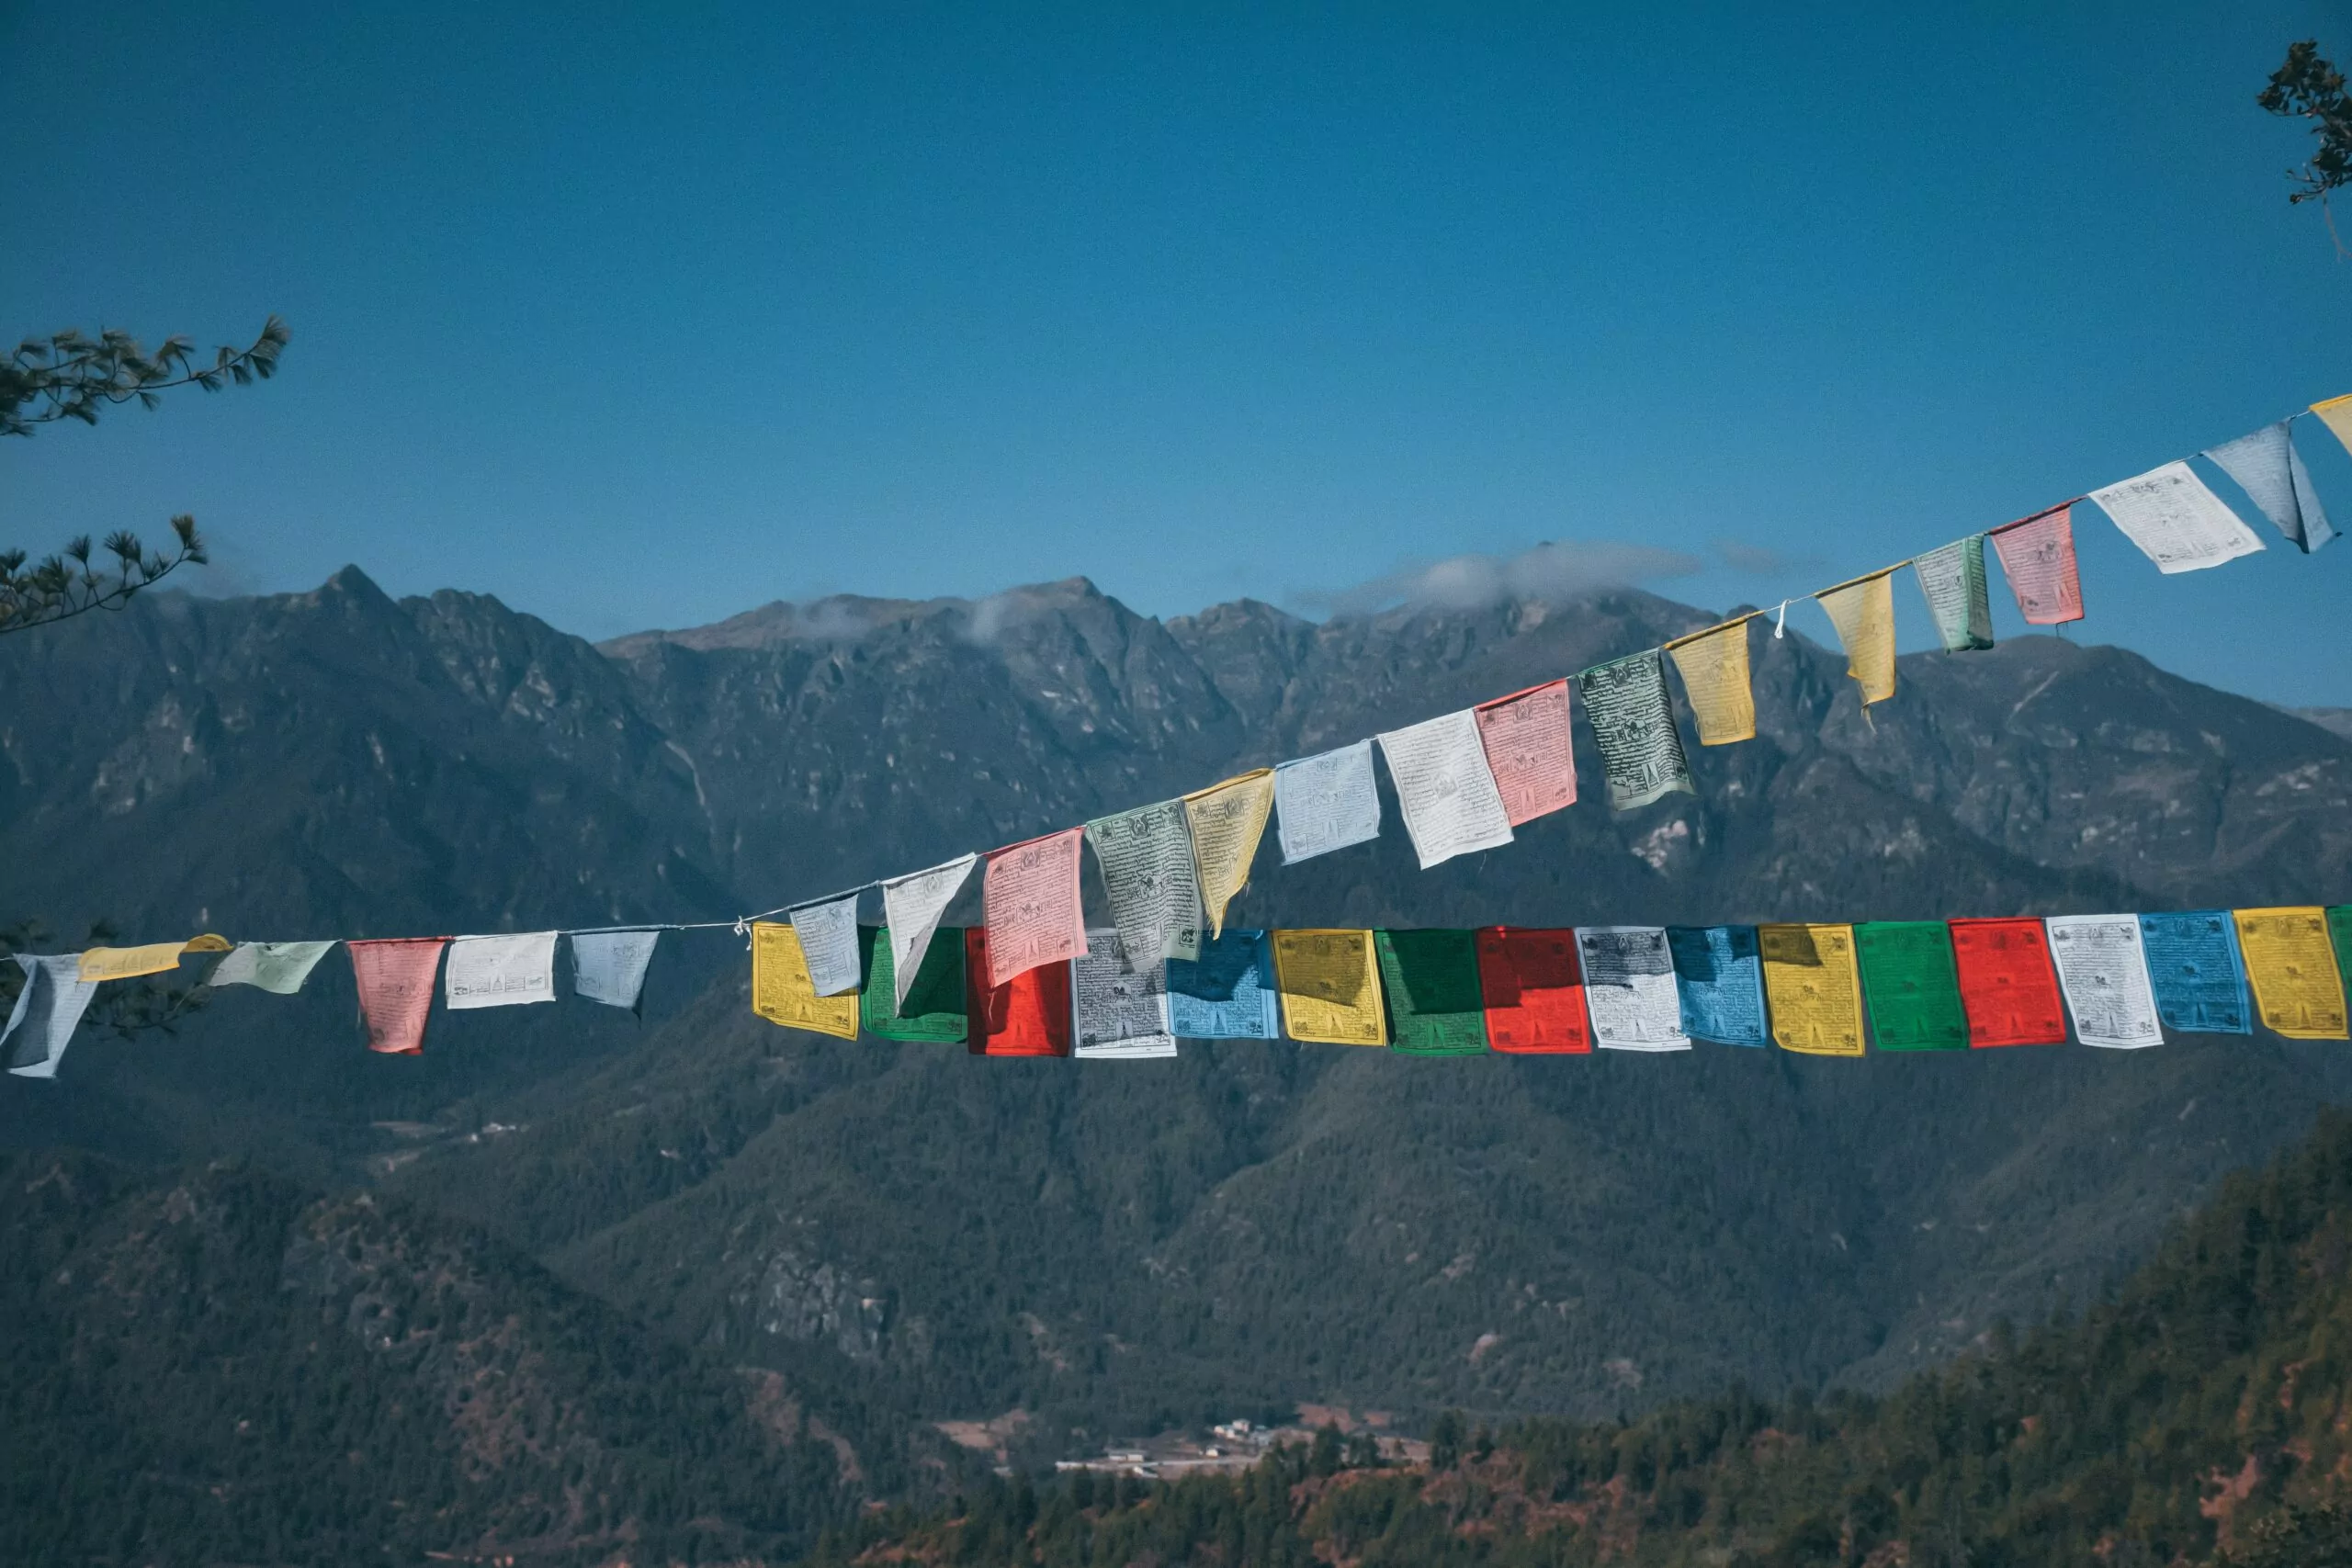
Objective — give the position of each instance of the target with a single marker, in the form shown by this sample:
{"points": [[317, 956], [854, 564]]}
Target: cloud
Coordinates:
{"points": [[1762, 560], [1547, 573]]}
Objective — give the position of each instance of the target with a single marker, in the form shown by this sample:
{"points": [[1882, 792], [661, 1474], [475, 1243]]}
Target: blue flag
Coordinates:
{"points": [[1227, 993], [1721, 979], [2199, 974]]}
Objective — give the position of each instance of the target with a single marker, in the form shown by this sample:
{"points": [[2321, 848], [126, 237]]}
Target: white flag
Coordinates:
{"points": [[501, 971], [1118, 1011], [2177, 521], [911, 905], [1445, 788], [1629, 988], [828, 933], [2103, 970], [1327, 802]]}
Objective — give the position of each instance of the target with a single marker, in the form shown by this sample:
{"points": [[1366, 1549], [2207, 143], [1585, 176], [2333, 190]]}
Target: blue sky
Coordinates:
{"points": [[638, 320]]}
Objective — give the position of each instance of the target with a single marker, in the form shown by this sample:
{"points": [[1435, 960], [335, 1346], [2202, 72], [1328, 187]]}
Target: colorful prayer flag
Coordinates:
{"points": [[1228, 992], [1863, 613], [1145, 859], [501, 971], [2267, 467], [2336, 415], [1329, 982], [2291, 962], [911, 907], [395, 979], [1028, 1015], [1030, 902], [2198, 972], [1625, 702], [1327, 802], [828, 933], [2103, 970], [1714, 667], [1719, 977], [1816, 991], [609, 966], [2007, 984], [1533, 990], [1227, 821], [2038, 557], [102, 964], [2339, 932], [1445, 787], [1118, 1008], [931, 1011], [1526, 739], [1912, 984], [1629, 988], [782, 992], [2175, 520], [277, 967], [1954, 580], [49, 1004], [1431, 979]]}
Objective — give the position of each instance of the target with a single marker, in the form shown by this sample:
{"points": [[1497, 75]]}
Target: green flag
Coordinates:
{"points": [[1912, 984], [933, 1009], [2339, 931], [1434, 1001]]}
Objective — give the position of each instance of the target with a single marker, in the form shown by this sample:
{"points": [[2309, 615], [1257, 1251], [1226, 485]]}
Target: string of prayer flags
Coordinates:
{"points": [[1435, 1006], [2199, 974], [1027, 1015], [277, 967], [931, 1011], [1030, 901], [1714, 667], [911, 907], [2175, 520], [1119, 1008], [1912, 984], [1329, 984], [1145, 859], [1959, 599], [1816, 989], [609, 966], [101, 964], [828, 933], [395, 979], [1226, 820], [2038, 557], [1526, 739], [2007, 984], [2293, 966], [1625, 702], [501, 971], [1445, 787], [1227, 993], [1533, 986], [1629, 988], [2103, 970], [48, 1006], [2336, 415], [1327, 802], [782, 992], [1719, 977], [1863, 613], [2267, 467]]}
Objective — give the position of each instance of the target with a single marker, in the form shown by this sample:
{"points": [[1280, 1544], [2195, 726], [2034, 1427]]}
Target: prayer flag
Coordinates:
{"points": [[2267, 467], [1719, 978], [1331, 987], [1327, 802], [1912, 984], [1863, 613], [1227, 993], [1633, 722], [395, 979], [2339, 932], [501, 971], [1431, 979], [2038, 557], [910, 909], [2177, 521], [1954, 580], [609, 966], [1815, 988], [2293, 966], [782, 992], [828, 933], [51, 1003], [277, 967], [1526, 739], [1030, 901], [1714, 667], [1533, 990], [1445, 787], [101, 964], [1118, 1009], [2336, 415], [1028, 1015], [932, 1010], [211, 942], [1226, 820], [2007, 984], [2199, 977], [1629, 988], [1145, 859], [2103, 969]]}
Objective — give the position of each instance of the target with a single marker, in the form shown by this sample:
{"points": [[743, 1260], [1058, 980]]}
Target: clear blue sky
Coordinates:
{"points": [[642, 321]]}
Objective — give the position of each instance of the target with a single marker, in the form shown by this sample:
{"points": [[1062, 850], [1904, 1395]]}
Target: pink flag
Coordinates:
{"points": [[1526, 740], [1030, 901], [2038, 557], [395, 980]]}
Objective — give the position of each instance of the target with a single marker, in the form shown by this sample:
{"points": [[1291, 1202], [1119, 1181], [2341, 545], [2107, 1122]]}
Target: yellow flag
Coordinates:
{"points": [[1864, 610], [127, 962], [1714, 667], [782, 992], [2337, 413], [1226, 820], [207, 943], [1813, 987], [2293, 966], [1331, 987]]}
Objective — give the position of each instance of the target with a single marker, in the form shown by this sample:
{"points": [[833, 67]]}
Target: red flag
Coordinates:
{"points": [[1525, 737], [2008, 987], [1533, 990], [1027, 1016], [2038, 557], [395, 979], [1030, 900]]}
